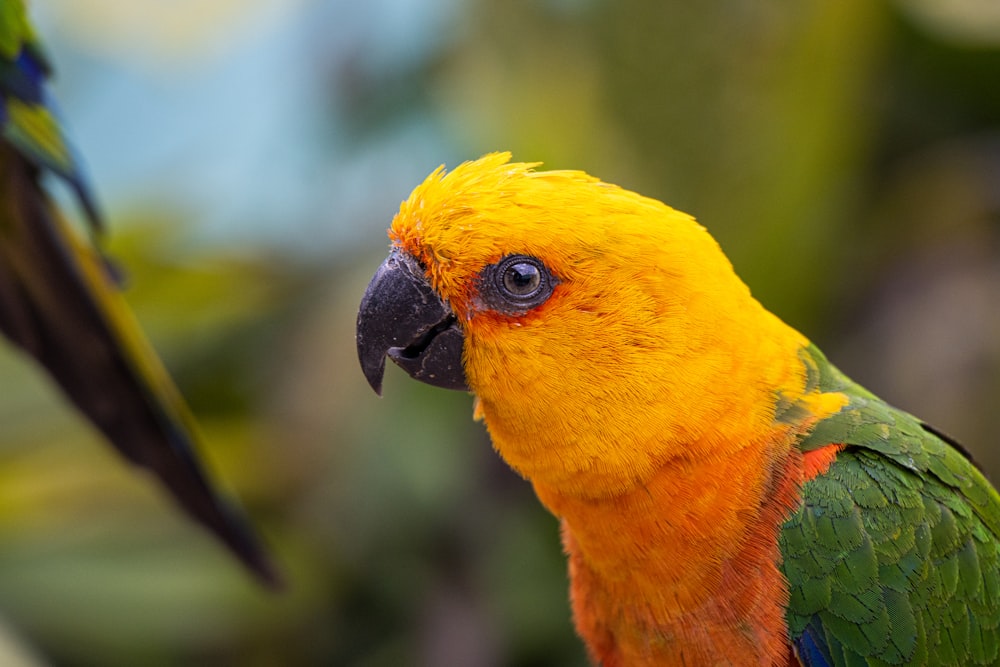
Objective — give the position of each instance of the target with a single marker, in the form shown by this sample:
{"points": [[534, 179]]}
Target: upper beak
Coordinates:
{"points": [[403, 318]]}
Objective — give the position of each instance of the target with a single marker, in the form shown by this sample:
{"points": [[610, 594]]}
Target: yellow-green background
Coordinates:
{"points": [[250, 154]]}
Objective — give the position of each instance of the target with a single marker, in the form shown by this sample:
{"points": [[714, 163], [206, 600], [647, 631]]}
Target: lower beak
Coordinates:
{"points": [[402, 317]]}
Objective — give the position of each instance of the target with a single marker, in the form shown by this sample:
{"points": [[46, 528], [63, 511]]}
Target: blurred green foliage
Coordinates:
{"points": [[846, 155]]}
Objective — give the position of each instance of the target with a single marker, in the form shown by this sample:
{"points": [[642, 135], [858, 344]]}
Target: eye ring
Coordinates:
{"points": [[516, 284]]}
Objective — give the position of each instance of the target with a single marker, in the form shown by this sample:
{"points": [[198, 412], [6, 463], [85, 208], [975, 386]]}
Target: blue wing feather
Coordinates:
{"points": [[811, 648], [23, 83]]}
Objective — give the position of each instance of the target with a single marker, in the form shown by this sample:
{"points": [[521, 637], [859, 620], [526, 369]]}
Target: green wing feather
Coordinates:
{"points": [[893, 558], [59, 304], [15, 29]]}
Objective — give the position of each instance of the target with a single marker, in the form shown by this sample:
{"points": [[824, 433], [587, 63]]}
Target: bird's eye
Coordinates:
{"points": [[522, 279], [516, 284]]}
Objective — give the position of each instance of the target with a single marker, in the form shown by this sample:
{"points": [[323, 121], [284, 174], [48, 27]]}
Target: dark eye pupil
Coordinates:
{"points": [[515, 285], [522, 278]]}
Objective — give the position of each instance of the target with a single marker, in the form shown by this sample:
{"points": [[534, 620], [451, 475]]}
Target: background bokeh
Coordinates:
{"points": [[249, 155]]}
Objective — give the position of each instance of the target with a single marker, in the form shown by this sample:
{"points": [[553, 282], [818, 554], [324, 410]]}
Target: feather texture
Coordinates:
{"points": [[892, 557]]}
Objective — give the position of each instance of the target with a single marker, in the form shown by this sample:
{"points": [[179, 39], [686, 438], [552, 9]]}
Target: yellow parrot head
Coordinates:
{"points": [[569, 306]]}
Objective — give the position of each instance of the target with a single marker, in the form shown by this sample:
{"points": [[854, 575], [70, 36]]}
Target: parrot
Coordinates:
{"points": [[60, 302], [726, 495]]}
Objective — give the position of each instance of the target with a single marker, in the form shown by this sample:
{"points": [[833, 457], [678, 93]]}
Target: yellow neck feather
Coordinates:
{"points": [[601, 428]]}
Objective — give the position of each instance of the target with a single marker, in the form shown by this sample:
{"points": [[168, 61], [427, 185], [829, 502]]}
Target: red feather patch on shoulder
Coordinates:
{"points": [[818, 461]]}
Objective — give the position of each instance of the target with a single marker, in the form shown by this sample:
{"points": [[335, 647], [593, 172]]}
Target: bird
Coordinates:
{"points": [[60, 302], [726, 495]]}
